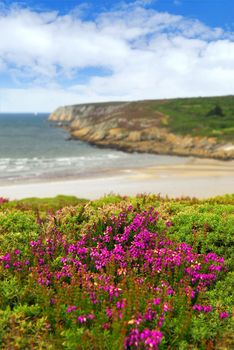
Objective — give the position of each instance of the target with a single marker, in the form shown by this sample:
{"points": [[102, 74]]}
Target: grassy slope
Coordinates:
{"points": [[189, 116]]}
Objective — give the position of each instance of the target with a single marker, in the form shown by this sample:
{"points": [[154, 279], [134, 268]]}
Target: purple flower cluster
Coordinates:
{"points": [[85, 318], [147, 339], [223, 315], [13, 261], [110, 269], [71, 308], [202, 308]]}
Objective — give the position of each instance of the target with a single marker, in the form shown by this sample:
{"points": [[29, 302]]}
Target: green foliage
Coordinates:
{"points": [[16, 229], [110, 199], [222, 296], [44, 204], [203, 116], [23, 328], [28, 319], [206, 228], [216, 111], [4, 319], [72, 337], [9, 291]]}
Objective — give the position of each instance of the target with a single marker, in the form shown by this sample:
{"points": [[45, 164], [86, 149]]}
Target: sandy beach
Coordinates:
{"points": [[201, 178]]}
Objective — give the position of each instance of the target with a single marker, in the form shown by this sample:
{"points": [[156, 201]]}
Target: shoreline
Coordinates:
{"points": [[203, 166], [196, 178], [137, 147]]}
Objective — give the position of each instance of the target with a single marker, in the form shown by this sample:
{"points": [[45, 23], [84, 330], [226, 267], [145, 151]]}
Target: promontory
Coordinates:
{"points": [[202, 127]]}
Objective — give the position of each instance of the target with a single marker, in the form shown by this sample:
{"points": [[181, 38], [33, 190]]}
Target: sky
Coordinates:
{"points": [[63, 52]]}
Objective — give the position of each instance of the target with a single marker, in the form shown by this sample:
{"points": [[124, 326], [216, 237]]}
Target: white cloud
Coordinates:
{"points": [[150, 55]]}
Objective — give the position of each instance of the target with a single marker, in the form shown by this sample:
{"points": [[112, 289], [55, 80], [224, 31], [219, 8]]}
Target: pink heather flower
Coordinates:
{"points": [[71, 308], [41, 261], [192, 295], [3, 200], [17, 252], [190, 292], [207, 308], [120, 304], [105, 326], [17, 264], [108, 312], [82, 318], [156, 301], [202, 308], [6, 257], [91, 316], [133, 339], [109, 230], [197, 307], [168, 223], [215, 268], [223, 315], [166, 307], [150, 315], [214, 257], [151, 338], [72, 248], [161, 320], [170, 291]]}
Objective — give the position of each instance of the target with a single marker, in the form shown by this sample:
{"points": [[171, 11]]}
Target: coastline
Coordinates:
{"points": [[201, 178], [224, 152], [151, 126]]}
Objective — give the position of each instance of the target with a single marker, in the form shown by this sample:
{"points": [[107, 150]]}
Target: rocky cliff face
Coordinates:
{"points": [[134, 126], [86, 111]]}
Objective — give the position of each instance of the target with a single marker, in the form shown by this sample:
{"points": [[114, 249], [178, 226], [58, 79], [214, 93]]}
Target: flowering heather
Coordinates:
{"points": [[3, 200], [121, 280], [224, 314]]}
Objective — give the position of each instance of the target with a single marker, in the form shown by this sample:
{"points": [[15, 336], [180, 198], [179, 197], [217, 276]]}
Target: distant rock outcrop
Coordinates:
{"points": [[135, 127]]}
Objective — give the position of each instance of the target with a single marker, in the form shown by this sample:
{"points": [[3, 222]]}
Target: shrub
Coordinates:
{"points": [[141, 273]]}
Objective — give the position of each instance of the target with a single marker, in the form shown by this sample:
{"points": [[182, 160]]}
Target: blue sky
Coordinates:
{"points": [[63, 52], [212, 12]]}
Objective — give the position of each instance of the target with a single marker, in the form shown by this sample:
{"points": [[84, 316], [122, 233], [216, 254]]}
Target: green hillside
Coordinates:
{"points": [[204, 116]]}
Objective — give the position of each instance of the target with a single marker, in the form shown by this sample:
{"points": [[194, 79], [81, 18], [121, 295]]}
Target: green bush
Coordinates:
{"points": [[17, 229]]}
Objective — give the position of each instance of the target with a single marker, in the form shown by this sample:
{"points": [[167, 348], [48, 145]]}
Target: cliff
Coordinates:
{"points": [[144, 126]]}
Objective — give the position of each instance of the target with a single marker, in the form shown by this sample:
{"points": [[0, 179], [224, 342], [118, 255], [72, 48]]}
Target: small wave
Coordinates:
{"points": [[38, 167], [116, 156]]}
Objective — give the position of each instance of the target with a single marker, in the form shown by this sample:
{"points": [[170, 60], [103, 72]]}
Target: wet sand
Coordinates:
{"points": [[201, 178]]}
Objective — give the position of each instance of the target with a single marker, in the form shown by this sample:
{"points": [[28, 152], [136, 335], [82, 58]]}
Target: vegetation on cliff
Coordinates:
{"points": [[116, 273], [206, 116], [201, 127]]}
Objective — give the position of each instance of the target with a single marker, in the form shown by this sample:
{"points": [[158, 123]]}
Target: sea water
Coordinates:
{"points": [[33, 148]]}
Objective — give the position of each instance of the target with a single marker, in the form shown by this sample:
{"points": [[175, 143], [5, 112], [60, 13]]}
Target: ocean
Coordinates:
{"points": [[34, 149]]}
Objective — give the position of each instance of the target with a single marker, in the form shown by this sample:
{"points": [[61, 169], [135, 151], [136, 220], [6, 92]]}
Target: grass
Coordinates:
{"points": [[44, 204], [190, 116]]}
